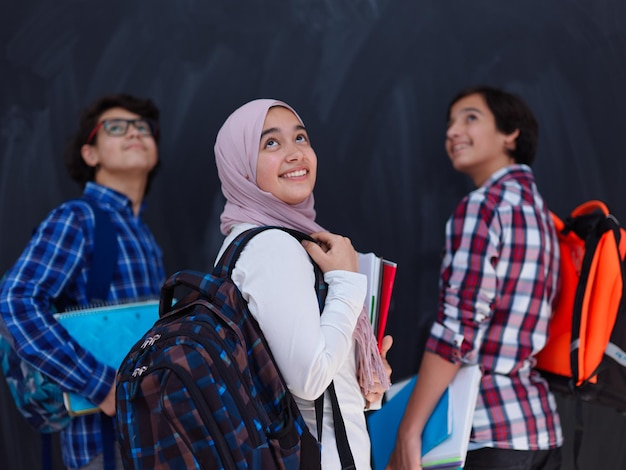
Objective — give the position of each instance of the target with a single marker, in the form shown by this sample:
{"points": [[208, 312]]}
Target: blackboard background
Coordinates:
{"points": [[371, 79]]}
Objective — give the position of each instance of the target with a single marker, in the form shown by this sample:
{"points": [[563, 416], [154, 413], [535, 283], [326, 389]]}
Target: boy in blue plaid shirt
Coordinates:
{"points": [[113, 156]]}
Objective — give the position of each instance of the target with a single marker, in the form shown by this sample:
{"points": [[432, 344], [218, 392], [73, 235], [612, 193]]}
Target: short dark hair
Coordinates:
{"points": [[78, 170], [510, 113]]}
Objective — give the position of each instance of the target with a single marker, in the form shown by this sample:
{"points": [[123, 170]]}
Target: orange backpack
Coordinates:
{"points": [[585, 351]]}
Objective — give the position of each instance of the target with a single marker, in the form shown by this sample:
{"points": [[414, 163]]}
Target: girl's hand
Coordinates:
{"points": [[377, 394], [332, 252]]}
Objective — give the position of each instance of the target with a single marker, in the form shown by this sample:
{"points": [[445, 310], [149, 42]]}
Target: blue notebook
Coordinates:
{"points": [[383, 425], [108, 333]]}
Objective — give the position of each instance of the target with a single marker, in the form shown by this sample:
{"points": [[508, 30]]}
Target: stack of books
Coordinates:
{"points": [[381, 275]]}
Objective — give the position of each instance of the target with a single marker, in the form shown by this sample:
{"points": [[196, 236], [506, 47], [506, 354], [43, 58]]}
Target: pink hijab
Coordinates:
{"points": [[236, 154]]}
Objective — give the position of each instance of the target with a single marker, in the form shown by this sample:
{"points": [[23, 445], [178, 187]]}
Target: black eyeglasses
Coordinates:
{"points": [[119, 127]]}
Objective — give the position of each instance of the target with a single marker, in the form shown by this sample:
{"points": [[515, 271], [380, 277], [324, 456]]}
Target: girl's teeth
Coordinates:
{"points": [[295, 173]]}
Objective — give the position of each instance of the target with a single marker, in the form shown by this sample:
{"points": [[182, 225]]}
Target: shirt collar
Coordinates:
{"points": [[106, 196], [515, 170]]}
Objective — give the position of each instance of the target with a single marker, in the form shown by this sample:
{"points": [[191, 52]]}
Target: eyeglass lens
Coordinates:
{"points": [[120, 126]]}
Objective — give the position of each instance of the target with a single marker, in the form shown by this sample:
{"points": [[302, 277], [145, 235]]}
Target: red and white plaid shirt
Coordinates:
{"points": [[499, 276]]}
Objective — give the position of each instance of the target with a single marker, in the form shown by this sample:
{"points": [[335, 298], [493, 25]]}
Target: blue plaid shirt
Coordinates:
{"points": [[54, 268]]}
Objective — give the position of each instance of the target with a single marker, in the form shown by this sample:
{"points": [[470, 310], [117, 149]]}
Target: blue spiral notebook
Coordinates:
{"points": [[108, 333], [383, 425]]}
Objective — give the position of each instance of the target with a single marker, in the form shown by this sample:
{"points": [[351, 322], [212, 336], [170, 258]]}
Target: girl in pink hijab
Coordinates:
{"points": [[267, 169]]}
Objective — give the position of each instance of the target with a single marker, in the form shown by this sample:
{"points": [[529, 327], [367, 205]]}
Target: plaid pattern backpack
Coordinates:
{"points": [[201, 389]]}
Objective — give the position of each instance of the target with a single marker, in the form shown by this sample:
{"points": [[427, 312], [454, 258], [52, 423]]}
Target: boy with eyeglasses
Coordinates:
{"points": [[113, 156]]}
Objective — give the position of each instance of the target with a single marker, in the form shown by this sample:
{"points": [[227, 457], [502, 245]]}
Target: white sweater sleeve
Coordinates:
{"points": [[275, 276]]}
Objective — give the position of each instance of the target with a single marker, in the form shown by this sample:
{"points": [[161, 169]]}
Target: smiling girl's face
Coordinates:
{"points": [[287, 165]]}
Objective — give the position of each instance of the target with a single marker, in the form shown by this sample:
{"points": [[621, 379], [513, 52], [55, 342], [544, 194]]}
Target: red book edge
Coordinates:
{"points": [[386, 288]]}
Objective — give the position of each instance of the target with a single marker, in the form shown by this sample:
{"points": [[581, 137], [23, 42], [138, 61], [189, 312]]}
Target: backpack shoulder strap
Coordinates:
{"points": [[223, 269], [230, 256], [104, 257]]}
